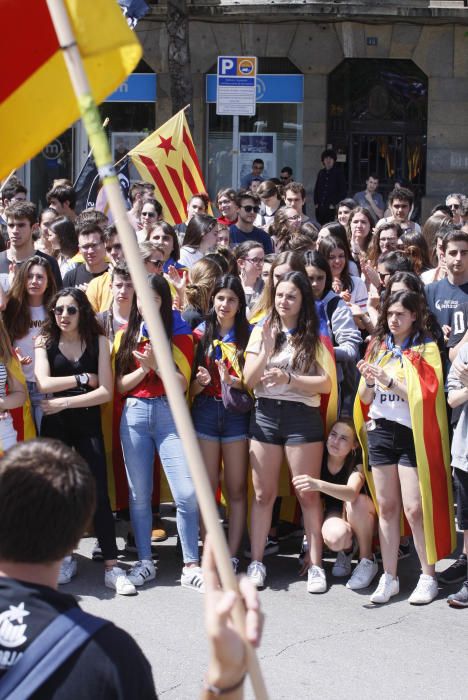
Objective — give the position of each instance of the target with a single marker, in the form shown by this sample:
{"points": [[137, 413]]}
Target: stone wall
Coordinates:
{"points": [[316, 48]]}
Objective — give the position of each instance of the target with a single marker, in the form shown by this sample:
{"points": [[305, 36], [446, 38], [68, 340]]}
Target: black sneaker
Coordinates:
{"points": [[456, 572], [460, 599]]}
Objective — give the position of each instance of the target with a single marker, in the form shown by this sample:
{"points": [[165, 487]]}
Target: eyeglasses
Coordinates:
{"points": [[90, 246], [156, 263], [148, 213], [249, 208], [255, 261], [71, 310]]}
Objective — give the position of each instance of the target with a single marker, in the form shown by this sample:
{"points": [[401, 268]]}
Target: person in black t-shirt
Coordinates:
{"points": [[47, 497], [91, 245]]}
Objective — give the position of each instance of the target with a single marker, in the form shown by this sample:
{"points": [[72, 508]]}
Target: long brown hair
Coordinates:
{"points": [[17, 314]]}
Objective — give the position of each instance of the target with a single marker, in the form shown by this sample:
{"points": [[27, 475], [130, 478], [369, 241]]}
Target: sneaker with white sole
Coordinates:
{"points": [[343, 563], [425, 592], [256, 572], [363, 574], [142, 572], [316, 580], [388, 586], [117, 579], [460, 598], [192, 577], [68, 569]]}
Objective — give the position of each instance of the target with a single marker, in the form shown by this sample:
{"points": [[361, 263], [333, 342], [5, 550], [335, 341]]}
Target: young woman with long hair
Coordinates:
{"points": [[349, 516], [199, 291], [73, 363], [360, 226], [11, 380], [147, 427], [64, 242], [222, 432], [165, 236], [200, 236], [352, 289], [26, 310], [43, 243], [399, 352], [283, 368], [284, 228], [281, 264], [414, 245]]}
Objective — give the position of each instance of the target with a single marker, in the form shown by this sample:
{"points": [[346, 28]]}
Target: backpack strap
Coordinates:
{"points": [[48, 652]]}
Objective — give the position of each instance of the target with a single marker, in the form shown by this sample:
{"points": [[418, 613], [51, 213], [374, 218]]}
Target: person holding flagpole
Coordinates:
{"points": [[401, 395]]}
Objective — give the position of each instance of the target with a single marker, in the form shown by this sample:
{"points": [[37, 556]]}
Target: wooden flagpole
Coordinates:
{"points": [[161, 347]]}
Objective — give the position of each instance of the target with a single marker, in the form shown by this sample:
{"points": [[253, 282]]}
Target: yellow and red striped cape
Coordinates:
{"points": [[182, 352], [422, 367], [23, 421]]}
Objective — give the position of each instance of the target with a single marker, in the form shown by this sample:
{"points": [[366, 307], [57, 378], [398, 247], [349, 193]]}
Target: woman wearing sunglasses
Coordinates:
{"points": [[150, 214], [73, 364]]}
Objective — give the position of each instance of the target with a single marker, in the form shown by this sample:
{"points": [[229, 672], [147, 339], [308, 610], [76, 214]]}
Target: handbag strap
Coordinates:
{"points": [[48, 652]]}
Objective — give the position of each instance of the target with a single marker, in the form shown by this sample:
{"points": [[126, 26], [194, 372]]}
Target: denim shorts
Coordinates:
{"points": [[285, 422], [390, 443], [214, 422]]}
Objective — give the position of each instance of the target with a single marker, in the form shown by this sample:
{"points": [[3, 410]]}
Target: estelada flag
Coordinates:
{"points": [[23, 421], [422, 369], [37, 101], [168, 159]]}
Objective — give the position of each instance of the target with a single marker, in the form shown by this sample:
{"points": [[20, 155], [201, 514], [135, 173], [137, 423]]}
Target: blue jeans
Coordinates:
{"points": [[147, 426]]}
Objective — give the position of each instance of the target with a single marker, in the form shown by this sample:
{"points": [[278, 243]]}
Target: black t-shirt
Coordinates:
{"points": [[459, 324], [80, 275], [110, 666], [5, 264]]}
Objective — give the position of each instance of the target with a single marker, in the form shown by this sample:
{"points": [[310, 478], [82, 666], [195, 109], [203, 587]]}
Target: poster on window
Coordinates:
{"points": [[252, 147]]}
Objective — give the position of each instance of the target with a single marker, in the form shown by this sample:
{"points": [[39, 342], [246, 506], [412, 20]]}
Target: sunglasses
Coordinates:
{"points": [[249, 208], [148, 213], [454, 206], [383, 275], [71, 310], [156, 263]]}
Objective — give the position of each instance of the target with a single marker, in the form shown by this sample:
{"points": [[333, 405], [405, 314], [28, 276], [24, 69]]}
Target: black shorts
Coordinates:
{"points": [[390, 443], [285, 422], [460, 479]]}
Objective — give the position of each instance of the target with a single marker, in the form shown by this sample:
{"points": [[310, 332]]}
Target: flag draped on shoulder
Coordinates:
{"points": [[169, 160], [37, 101], [422, 369], [23, 421]]}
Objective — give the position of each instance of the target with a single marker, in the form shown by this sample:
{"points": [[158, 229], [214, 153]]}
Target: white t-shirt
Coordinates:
{"points": [[189, 256], [283, 360], [386, 403], [26, 344]]}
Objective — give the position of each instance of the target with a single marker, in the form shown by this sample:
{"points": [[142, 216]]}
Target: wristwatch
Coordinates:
{"points": [[82, 379]]}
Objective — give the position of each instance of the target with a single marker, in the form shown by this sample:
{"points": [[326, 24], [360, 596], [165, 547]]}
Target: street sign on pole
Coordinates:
{"points": [[236, 85]]}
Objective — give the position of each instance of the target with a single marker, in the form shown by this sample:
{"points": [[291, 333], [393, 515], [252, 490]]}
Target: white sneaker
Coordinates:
{"points": [[425, 592], [316, 580], [116, 578], [387, 588], [68, 569], [342, 565], [256, 572], [363, 574], [192, 577], [141, 572]]}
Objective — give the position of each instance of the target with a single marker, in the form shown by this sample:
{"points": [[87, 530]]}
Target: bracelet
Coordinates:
{"points": [[370, 386], [289, 378], [214, 690]]}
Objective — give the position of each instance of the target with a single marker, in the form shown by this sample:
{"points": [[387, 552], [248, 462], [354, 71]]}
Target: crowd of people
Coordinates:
{"points": [[328, 361]]}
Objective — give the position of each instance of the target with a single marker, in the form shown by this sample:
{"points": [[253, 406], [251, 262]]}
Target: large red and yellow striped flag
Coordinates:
{"points": [[37, 101], [422, 368], [169, 160]]}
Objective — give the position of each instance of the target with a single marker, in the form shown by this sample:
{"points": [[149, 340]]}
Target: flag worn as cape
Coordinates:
{"points": [[169, 160], [111, 413], [37, 101], [422, 368], [23, 421]]}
